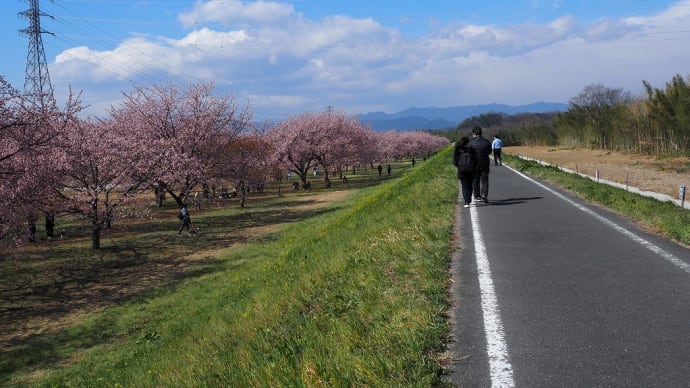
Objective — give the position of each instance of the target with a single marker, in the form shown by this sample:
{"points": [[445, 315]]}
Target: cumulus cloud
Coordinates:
{"points": [[676, 14], [231, 12], [280, 60], [510, 40]]}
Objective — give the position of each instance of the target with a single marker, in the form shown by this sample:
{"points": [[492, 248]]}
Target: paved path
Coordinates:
{"points": [[553, 292]]}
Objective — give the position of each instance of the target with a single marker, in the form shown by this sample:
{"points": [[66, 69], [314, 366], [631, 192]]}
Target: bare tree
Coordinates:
{"points": [[594, 105]]}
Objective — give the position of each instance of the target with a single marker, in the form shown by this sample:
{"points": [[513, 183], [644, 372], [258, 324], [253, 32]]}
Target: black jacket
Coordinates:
{"points": [[482, 147]]}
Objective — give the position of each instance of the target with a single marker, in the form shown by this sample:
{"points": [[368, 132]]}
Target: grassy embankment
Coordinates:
{"points": [[353, 294], [661, 217]]}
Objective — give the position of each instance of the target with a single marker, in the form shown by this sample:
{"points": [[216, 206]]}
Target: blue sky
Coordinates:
{"points": [[288, 57]]}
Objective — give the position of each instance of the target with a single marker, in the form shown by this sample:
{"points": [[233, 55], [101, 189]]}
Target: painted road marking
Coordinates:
{"points": [[500, 370], [657, 250]]}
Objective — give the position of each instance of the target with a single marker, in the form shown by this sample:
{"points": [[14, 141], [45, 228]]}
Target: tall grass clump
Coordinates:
{"points": [[355, 296], [663, 217]]}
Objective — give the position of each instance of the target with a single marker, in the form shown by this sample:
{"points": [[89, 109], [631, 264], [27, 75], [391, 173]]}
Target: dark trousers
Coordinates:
{"points": [[497, 157], [466, 181], [184, 225], [480, 185]]}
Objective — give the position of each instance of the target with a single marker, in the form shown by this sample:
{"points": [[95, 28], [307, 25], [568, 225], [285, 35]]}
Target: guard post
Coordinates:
{"points": [[682, 196]]}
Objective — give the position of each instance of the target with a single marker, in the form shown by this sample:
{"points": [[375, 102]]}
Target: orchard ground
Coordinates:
{"points": [[41, 296], [51, 284]]}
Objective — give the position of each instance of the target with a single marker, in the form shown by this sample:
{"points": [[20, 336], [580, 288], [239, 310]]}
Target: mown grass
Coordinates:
{"points": [[354, 294], [664, 218]]}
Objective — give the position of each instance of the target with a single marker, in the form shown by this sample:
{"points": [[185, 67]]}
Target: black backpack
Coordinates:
{"points": [[465, 162]]}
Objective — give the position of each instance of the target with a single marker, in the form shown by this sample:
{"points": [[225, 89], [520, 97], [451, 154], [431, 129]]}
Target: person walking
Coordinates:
{"points": [[482, 148], [185, 219], [496, 146], [465, 159]]}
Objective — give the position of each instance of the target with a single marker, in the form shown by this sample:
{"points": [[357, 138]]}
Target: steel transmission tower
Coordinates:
{"points": [[36, 80]]}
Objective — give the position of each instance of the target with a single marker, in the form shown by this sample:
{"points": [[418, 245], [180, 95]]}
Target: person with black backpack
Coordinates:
{"points": [[465, 159]]}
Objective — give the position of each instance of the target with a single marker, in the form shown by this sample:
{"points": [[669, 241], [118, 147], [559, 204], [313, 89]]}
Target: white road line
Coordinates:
{"points": [[657, 250], [500, 370]]}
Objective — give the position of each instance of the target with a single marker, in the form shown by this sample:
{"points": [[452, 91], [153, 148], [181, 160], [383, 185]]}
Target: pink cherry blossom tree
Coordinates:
{"points": [[101, 172], [28, 134], [388, 144], [326, 139], [185, 132], [408, 143], [248, 161], [291, 139], [341, 140]]}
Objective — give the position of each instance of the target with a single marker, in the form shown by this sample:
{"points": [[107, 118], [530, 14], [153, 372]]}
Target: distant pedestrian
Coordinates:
{"points": [[389, 170], [50, 224], [496, 146], [482, 148], [380, 168], [413, 162], [465, 159], [289, 175], [185, 219]]}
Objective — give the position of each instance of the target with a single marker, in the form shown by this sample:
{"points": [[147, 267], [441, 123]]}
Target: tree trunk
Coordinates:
{"points": [[96, 237], [243, 193], [243, 197], [178, 198]]}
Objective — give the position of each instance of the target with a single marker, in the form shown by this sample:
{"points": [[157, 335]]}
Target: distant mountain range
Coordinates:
{"points": [[444, 118]]}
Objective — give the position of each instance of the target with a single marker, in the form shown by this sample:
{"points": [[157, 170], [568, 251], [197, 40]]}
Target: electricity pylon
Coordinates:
{"points": [[37, 85]]}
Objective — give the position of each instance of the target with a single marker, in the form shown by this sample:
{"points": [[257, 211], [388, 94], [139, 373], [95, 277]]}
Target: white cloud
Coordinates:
{"points": [[284, 62], [206, 38], [232, 12], [677, 13]]}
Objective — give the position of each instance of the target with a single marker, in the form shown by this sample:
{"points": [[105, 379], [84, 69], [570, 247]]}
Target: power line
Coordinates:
{"points": [[149, 69]]}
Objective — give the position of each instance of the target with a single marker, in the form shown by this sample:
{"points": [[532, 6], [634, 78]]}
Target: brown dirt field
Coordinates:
{"points": [[659, 175]]}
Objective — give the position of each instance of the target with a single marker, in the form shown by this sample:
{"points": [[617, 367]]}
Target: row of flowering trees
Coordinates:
{"points": [[169, 138]]}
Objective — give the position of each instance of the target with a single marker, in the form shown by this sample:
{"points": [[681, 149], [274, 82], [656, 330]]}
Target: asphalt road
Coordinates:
{"points": [[550, 291]]}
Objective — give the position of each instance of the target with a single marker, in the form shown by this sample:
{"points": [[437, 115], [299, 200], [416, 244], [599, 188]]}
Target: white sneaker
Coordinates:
{"points": [[467, 205]]}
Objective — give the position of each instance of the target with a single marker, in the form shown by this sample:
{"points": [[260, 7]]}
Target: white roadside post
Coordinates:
{"points": [[682, 196]]}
